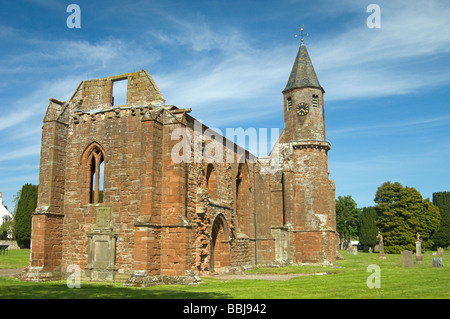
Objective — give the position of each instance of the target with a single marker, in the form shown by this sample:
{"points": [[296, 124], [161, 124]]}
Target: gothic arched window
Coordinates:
{"points": [[93, 164]]}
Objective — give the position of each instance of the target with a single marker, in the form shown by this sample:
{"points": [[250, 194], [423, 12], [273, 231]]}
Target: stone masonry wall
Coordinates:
{"points": [[161, 217]]}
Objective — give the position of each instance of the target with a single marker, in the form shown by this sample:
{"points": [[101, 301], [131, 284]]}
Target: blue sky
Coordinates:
{"points": [[386, 90]]}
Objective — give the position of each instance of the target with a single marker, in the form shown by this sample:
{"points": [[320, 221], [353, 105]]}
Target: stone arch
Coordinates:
{"points": [[93, 162], [220, 244], [91, 148]]}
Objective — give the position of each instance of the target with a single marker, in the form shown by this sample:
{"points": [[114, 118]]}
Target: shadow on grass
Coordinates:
{"points": [[12, 288]]}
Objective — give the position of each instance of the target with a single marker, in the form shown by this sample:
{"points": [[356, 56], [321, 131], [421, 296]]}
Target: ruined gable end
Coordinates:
{"points": [[54, 110], [129, 89]]}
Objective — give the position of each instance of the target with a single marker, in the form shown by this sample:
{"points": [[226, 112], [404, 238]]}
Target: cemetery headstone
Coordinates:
{"points": [[407, 260], [437, 262], [353, 250], [440, 252]]}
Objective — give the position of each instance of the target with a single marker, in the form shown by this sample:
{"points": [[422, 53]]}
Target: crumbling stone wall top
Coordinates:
{"points": [[99, 94]]}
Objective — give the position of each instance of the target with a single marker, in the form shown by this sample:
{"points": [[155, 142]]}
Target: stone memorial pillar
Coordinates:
{"points": [[381, 254], [419, 257]]}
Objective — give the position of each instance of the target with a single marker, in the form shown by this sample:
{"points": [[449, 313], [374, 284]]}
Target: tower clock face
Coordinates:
{"points": [[302, 109]]}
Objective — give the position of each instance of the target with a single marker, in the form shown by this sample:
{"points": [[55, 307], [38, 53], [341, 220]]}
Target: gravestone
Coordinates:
{"points": [[440, 252], [381, 254], [353, 250], [419, 257], [407, 260], [437, 262]]}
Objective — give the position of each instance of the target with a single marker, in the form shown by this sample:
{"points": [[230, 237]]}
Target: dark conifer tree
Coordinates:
{"points": [[26, 205], [442, 237], [368, 229]]}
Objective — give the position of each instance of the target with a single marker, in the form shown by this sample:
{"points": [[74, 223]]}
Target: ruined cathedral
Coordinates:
{"points": [[114, 203]]}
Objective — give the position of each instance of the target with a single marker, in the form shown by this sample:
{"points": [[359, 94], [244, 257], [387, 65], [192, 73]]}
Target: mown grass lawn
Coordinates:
{"points": [[347, 280], [15, 259]]}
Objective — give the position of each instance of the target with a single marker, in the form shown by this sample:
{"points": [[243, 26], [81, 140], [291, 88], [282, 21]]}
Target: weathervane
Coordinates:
{"points": [[301, 33]]}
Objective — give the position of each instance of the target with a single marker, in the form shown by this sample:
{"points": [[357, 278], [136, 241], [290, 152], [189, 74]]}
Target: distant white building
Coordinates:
{"points": [[5, 215], [354, 242]]}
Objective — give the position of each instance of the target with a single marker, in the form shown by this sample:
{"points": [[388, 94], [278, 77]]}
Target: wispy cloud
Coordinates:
{"points": [[231, 71], [33, 105], [231, 78], [76, 57], [390, 128], [20, 153], [395, 59]]}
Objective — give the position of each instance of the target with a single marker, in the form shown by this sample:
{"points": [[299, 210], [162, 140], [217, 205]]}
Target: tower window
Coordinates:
{"points": [[119, 93], [289, 104], [315, 100]]}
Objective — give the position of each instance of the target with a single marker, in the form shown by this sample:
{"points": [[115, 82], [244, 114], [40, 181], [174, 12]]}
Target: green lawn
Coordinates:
{"points": [[19, 258], [347, 280]]}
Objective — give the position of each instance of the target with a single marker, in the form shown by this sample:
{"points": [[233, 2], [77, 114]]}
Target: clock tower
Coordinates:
{"points": [[308, 194], [304, 116]]}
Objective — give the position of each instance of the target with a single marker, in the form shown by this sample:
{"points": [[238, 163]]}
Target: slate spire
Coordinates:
{"points": [[302, 74]]}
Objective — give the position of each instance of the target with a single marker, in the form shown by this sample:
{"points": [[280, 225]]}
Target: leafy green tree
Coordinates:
{"points": [[347, 215], [442, 237], [26, 205], [402, 213], [368, 229], [429, 221]]}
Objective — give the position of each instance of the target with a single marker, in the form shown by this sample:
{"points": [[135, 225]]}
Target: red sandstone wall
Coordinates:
{"points": [[46, 248], [163, 212]]}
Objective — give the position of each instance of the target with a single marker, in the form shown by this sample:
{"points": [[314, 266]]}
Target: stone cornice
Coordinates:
{"points": [[148, 112], [46, 210], [321, 145]]}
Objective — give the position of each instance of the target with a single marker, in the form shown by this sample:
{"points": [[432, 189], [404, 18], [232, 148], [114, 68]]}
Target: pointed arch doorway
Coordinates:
{"points": [[220, 244]]}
